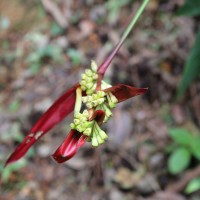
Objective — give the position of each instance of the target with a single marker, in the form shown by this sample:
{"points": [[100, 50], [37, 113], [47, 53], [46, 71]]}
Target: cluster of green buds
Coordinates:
{"points": [[98, 136], [88, 128], [89, 79], [94, 100], [112, 100], [81, 123]]}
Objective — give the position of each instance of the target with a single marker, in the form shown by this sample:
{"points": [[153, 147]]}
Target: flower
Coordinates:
{"points": [[98, 103], [98, 97], [74, 141]]}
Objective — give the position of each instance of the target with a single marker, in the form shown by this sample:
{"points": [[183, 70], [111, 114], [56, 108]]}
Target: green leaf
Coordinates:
{"points": [[190, 8], [195, 146], [6, 172], [55, 29], [35, 67], [191, 68], [13, 132], [179, 160], [181, 136], [75, 56], [14, 106], [193, 185], [52, 51]]}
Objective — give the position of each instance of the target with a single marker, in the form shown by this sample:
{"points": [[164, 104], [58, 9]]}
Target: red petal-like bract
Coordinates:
{"points": [[56, 113], [98, 116], [123, 92], [75, 140], [70, 146]]}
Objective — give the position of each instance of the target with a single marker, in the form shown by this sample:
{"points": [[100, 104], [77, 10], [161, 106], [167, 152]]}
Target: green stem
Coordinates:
{"points": [[133, 21], [78, 103], [103, 67]]}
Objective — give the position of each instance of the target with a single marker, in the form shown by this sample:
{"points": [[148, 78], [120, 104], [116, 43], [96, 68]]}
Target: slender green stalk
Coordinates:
{"points": [[103, 67], [133, 21], [78, 103]]}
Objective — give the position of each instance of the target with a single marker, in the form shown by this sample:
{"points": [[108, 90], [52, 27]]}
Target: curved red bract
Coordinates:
{"points": [[123, 92], [55, 114], [70, 146], [75, 140], [99, 116]]}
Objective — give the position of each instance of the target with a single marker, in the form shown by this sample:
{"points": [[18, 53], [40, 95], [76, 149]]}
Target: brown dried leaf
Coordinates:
{"points": [[126, 178]]}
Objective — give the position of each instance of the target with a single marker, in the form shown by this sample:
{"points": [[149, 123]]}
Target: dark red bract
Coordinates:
{"points": [[70, 146], [75, 140], [55, 114], [123, 92]]}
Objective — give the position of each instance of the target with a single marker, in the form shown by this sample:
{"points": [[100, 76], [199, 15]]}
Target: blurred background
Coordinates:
{"points": [[153, 151]]}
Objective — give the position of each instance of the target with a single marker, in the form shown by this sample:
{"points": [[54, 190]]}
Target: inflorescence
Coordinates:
{"points": [[93, 101]]}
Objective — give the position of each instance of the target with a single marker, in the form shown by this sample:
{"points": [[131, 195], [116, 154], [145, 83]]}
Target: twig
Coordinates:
{"points": [[180, 185]]}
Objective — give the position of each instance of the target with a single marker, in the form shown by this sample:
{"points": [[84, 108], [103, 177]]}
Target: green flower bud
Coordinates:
{"points": [[95, 76], [97, 128], [85, 99], [106, 119], [84, 123], [84, 76], [111, 104], [83, 87], [89, 85], [94, 66], [83, 83], [90, 91], [101, 93], [77, 115], [90, 99], [103, 135], [88, 72], [87, 131], [100, 101], [99, 139], [89, 80], [76, 121], [112, 100], [72, 126], [95, 96], [80, 128], [86, 113], [94, 103], [94, 142], [94, 87], [89, 105], [107, 112]]}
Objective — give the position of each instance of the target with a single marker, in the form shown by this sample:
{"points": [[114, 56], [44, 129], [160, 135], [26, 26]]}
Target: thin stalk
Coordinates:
{"points": [[103, 67], [78, 103]]}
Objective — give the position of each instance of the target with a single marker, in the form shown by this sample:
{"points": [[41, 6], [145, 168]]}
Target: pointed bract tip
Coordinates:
{"points": [[123, 92], [69, 147]]}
